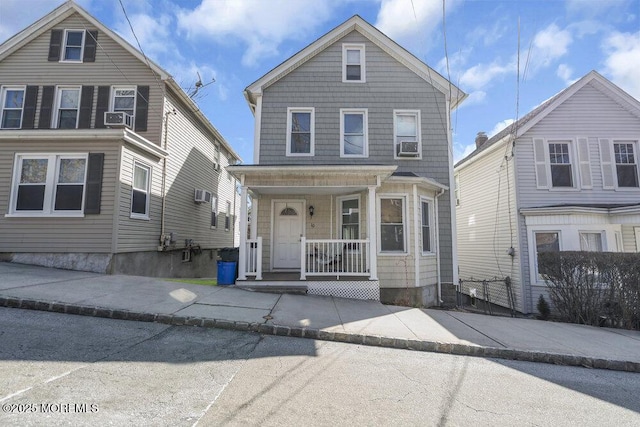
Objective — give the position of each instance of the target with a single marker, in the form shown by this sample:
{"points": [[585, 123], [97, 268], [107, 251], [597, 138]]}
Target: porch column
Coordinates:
{"points": [[373, 234], [242, 253]]}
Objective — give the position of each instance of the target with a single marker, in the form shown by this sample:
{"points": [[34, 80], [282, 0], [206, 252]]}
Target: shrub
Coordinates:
{"points": [[543, 308]]}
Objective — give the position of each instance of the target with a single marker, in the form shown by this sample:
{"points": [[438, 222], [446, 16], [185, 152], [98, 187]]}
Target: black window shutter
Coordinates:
{"points": [[142, 108], [54, 45], [102, 105], [90, 44], [47, 106], [86, 104], [29, 114], [93, 193]]}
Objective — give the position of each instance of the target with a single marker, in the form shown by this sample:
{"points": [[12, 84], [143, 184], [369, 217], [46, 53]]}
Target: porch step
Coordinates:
{"points": [[280, 287]]}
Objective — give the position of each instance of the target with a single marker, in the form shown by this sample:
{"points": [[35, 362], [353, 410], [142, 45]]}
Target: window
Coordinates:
{"points": [[124, 99], [426, 226], [300, 131], [12, 105], [140, 191], [49, 184], [591, 242], [214, 211], [392, 232], [560, 163], [626, 164], [67, 107], [456, 183], [353, 133], [216, 157], [227, 219], [73, 43], [350, 218], [546, 242], [353, 63], [406, 129]]}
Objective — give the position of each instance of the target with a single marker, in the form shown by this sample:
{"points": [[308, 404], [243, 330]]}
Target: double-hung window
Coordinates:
{"points": [[406, 134], [227, 218], [590, 241], [49, 184], [350, 218], [560, 164], [392, 224], [214, 211], [300, 132], [73, 45], [426, 226], [353, 133], [140, 191], [626, 163], [67, 108], [546, 241], [353, 63], [124, 99], [12, 106]]}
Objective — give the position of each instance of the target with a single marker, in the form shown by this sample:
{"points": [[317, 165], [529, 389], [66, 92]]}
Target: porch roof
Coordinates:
{"points": [[310, 179]]}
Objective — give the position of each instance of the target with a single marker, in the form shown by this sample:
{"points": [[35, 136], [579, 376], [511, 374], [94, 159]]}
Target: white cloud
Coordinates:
{"points": [[623, 60], [565, 72], [474, 98], [499, 126], [548, 45], [261, 25], [462, 151], [153, 33], [22, 16], [479, 76]]}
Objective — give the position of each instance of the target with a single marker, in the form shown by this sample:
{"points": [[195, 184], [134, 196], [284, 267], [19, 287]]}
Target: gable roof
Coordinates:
{"points": [[519, 127], [356, 23], [67, 9]]}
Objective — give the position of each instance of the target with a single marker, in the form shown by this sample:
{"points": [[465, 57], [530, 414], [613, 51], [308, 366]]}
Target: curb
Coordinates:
{"points": [[322, 335]]}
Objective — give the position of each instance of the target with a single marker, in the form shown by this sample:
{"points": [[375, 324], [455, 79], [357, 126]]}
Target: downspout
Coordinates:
{"points": [[437, 228], [165, 240]]}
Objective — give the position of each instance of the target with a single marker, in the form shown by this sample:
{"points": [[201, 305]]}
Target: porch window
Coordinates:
{"points": [[546, 242], [392, 227], [591, 242], [353, 133], [350, 219], [300, 131]]}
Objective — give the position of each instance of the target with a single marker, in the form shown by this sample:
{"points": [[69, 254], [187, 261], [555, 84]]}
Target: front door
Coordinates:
{"points": [[288, 227]]}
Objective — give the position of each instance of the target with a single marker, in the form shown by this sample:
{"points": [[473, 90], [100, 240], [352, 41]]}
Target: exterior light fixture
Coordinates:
{"points": [[311, 211]]}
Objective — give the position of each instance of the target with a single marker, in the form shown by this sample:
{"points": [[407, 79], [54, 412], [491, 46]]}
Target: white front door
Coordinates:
{"points": [[288, 228]]}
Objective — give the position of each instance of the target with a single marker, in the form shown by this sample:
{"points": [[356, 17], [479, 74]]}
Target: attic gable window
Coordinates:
{"points": [[73, 44], [353, 63]]}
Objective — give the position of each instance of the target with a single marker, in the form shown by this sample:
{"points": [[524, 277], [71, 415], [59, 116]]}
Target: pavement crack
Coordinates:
{"points": [[477, 330]]}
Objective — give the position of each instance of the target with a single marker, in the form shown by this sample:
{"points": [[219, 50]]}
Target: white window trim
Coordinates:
{"points": [[63, 46], [149, 168], [339, 224], [431, 202], [227, 218], [57, 101], [3, 99], [365, 126], [573, 161], [614, 165], [112, 97], [404, 198], [419, 135], [533, 252], [363, 72], [602, 233], [48, 207], [214, 209], [290, 111]]}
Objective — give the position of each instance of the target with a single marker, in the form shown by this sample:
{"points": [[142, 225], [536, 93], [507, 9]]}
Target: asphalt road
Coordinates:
{"points": [[58, 369]]}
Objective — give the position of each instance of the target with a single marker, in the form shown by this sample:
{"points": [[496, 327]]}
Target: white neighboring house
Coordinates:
{"points": [[563, 177]]}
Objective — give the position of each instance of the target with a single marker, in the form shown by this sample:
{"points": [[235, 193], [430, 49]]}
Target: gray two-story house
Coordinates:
{"points": [[565, 177], [106, 164], [350, 186]]}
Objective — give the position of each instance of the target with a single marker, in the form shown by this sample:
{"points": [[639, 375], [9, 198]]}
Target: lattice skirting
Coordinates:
{"points": [[361, 289]]}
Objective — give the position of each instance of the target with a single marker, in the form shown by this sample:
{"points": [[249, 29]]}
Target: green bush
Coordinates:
{"points": [[594, 287], [543, 308]]}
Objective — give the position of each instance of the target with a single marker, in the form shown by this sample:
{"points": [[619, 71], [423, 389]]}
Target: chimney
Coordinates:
{"points": [[481, 138]]}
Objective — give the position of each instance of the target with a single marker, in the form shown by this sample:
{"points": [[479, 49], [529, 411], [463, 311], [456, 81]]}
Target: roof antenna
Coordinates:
{"points": [[199, 85]]}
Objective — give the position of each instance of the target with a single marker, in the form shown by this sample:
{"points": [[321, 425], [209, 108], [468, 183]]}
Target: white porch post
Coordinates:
{"points": [[303, 261], [242, 255], [373, 234]]}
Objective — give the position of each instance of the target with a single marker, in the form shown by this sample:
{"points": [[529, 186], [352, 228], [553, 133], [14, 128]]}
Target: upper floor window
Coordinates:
{"points": [[406, 134], [626, 163], [560, 163], [73, 45], [140, 191], [300, 131], [353, 63], [124, 99], [353, 133], [12, 105], [49, 184], [456, 183], [67, 108], [557, 165], [214, 211], [227, 218]]}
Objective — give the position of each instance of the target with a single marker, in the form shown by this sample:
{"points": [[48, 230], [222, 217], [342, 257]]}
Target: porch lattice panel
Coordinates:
{"points": [[356, 289]]}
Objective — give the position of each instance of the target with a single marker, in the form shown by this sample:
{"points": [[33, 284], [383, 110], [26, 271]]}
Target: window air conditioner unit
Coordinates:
{"points": [[408, 149], [118, 119], [202, 196], [216, 167]]}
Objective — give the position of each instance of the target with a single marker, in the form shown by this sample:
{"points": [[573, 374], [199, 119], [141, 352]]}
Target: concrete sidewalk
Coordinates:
{"points": [[316, 317]]}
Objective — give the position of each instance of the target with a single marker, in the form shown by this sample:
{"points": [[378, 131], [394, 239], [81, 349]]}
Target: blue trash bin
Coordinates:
{"points": [[226, 273]]}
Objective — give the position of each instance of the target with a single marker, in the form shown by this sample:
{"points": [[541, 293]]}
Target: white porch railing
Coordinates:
{"points": [[253, 265], [334, 257]]}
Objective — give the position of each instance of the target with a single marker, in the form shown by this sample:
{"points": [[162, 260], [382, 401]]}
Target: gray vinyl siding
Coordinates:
{"points": [[486, 228], [113, 66], [91, 233]]}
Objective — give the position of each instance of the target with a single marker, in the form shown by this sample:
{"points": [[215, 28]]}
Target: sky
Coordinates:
{"points": [[508, 56]]}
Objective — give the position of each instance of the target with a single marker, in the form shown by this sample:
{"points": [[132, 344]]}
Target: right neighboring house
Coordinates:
{"points": [[563, 177]]}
